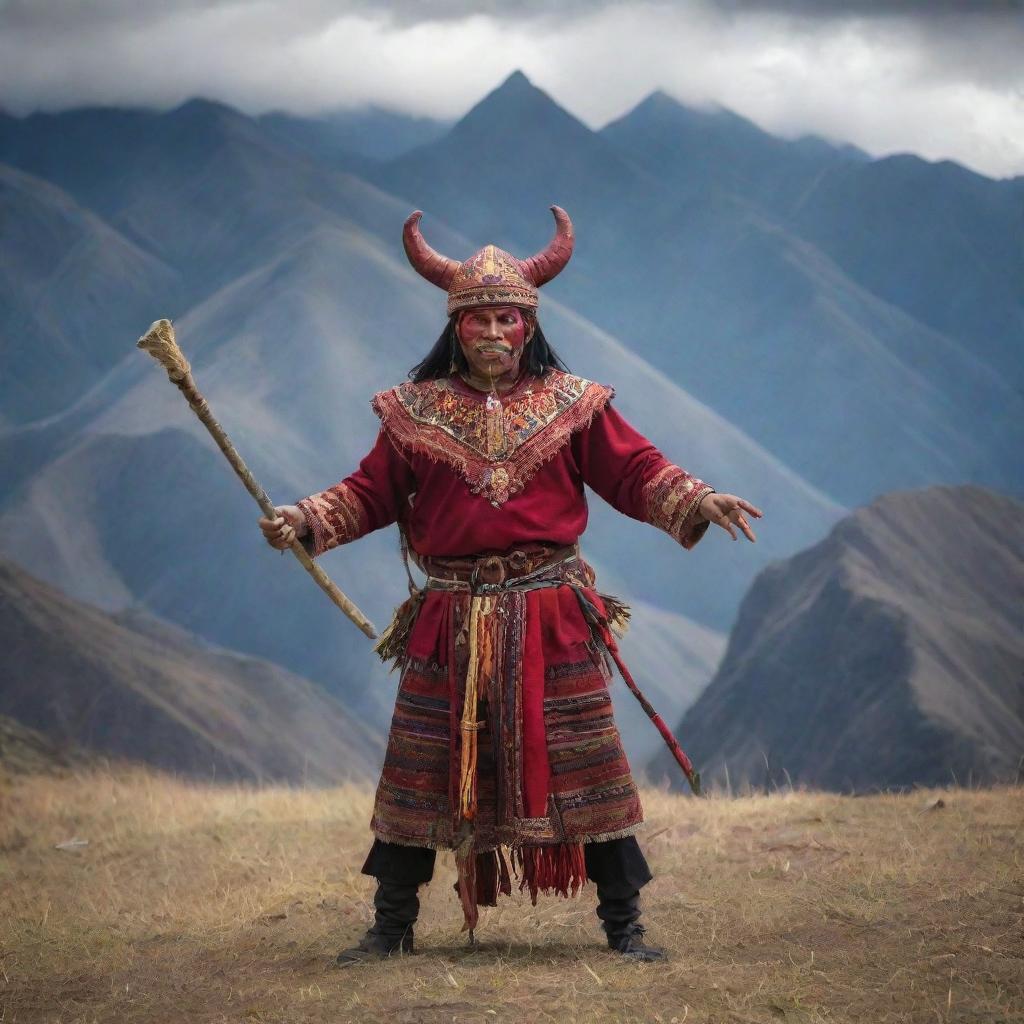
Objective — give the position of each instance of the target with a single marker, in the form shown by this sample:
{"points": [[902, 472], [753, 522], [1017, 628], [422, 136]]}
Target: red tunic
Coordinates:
{"points": [[466, 473], [429, 481]]}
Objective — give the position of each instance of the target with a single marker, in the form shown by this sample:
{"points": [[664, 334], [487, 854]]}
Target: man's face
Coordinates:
{"points": [[492, 338]]}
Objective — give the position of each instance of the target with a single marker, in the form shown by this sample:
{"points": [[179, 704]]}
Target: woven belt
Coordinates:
{"points": [[520, 569]]}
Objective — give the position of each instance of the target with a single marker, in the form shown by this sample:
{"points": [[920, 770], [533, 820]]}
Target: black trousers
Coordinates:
{"points": [[617, 866]]}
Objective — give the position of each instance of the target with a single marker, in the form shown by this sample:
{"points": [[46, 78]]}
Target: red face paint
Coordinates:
{"points": [[492, 339], [489, 326]]}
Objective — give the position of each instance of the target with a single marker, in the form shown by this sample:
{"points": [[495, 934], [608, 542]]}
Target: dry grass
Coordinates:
{"points": [[224, 904]]}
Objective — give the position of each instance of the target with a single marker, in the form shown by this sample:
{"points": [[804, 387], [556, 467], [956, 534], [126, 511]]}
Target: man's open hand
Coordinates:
{"points": [[725, 510]]}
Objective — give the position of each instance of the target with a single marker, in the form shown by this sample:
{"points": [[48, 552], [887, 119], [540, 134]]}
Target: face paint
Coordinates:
{"points": [[492, 326], [492, 339]]}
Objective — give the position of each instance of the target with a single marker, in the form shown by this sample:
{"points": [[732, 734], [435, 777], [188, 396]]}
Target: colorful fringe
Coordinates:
{"points": [[559, 869]]}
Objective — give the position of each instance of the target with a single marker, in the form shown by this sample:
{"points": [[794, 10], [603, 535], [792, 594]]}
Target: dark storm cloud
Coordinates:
{"points": [[932, 76], [53, 15], [875, 8]]}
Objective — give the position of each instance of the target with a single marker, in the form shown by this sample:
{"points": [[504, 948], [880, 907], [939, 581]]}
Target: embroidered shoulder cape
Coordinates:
{"points": [[466, 473], [496, 446]]}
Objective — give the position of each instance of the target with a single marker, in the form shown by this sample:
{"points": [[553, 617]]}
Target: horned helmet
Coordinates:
{"points": [[491, 276]]}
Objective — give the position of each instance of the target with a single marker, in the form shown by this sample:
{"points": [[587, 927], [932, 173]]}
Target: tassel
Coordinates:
{"points": [[465, 865], [560, 869], [487, 879], [492, 878], [394, 640], [468, 726], [481, 654], [504, 881], [619, 613]]}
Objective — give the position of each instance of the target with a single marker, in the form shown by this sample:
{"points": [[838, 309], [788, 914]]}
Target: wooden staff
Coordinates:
{"points": [[604, 633], [160, 343]]}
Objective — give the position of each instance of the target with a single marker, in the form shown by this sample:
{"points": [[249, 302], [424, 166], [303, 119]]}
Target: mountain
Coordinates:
{"points": [[25, 751], [352, 139], [71, 288], [694, 259], [518, 144], [715, 148], [888, 655], [936, 240], [133, 504], [741, 346], [140, 689], [202, 187]]}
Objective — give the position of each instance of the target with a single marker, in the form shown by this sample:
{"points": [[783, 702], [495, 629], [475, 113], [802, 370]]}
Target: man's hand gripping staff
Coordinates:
{"points": [[160, 343]]}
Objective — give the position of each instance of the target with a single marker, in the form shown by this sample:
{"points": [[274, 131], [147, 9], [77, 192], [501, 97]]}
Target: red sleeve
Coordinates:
{"points": [[375, 495], [633, 476]]}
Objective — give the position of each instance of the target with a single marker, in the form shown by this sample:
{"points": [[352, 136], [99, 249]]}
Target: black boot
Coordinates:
{"points": [[397, 907], [619, 910]]}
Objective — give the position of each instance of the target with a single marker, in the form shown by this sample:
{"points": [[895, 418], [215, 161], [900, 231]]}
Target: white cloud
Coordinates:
{"points": [[940, 85]]}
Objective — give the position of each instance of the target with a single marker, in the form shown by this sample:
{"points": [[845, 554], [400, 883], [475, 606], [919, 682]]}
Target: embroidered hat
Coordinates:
{"points": [[490, 277]]}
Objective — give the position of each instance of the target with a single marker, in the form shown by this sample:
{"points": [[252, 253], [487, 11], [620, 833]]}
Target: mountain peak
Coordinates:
{"points": [[660, 105], [517, 80], [658, 99], [517, 104], [199, 108], [516, 90]]}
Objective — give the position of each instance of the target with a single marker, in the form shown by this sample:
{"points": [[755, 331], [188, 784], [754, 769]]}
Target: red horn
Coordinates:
{"points": [[437, 269], [550, 262]]}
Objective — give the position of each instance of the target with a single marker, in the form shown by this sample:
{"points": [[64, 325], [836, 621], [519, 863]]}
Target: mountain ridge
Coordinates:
{"points": [[141, 690], [749, 354], [879, 657]]}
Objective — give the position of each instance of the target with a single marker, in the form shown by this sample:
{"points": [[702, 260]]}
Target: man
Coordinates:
{"points": [[503, 735]]}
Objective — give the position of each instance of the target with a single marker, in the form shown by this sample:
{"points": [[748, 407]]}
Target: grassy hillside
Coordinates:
{"points": [[206, 903], [134, 687]]}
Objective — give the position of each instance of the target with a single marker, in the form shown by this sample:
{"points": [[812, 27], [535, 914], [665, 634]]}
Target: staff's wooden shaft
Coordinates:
{"points": [[160, 343]]}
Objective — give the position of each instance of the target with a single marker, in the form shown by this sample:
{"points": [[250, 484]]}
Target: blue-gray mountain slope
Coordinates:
{"points": [[890, 654]]}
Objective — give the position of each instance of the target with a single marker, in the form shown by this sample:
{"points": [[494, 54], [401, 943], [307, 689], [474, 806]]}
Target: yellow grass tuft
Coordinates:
{"points": [[227, 903]]}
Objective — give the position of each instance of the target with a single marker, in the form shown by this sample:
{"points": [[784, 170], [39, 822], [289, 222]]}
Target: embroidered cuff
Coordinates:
{"points": [[334, 517], [672, 498]]}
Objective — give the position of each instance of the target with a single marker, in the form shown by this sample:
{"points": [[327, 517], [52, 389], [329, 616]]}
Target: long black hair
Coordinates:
{"points": [[538, 356]]}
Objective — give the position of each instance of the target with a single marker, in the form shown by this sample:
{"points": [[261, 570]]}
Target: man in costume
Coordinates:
{"points": [[503, 736]]}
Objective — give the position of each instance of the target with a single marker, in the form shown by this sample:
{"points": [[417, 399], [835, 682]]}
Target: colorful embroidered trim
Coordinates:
{"points": [[495, 446], [672, 498], [334, 517]]}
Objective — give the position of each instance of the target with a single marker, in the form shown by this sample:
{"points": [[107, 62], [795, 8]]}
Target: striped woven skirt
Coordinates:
{"points": [[503, 734]]}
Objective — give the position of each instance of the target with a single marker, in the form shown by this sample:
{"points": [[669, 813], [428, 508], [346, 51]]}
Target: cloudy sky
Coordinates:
{"points": [[943, 78]]}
